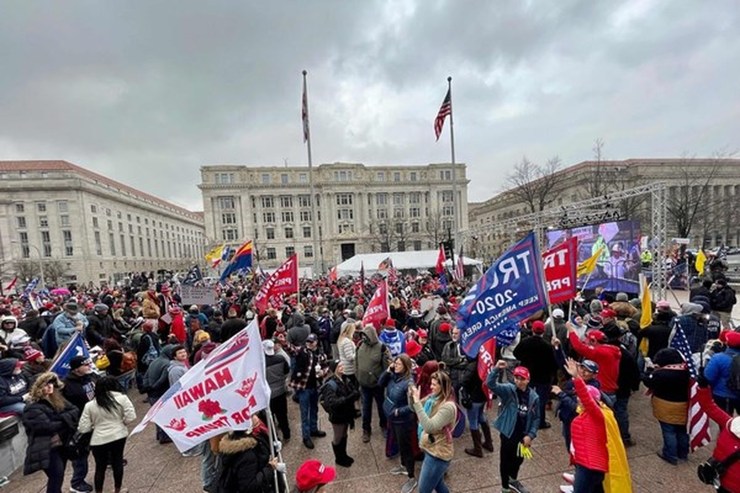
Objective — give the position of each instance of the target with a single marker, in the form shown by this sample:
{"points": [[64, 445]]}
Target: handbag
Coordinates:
{"points": [[78, 445], [709, 472], [466, 400]]}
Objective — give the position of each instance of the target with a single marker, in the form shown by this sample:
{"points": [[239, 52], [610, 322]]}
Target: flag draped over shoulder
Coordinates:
{"points": [[75, 347], [618, 478], [701, 259], [698, 421], [588, 265], [219, 394], [444, 111], [646, 317], [241, 260]]}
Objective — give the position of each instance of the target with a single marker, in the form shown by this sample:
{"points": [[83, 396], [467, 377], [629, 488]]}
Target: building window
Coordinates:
{"points": [[110, 225], [447, 196], [95, 223], [346, 228], [289, 233], [343, 175], [128, 217], [228, 218], [289, 251], [98, 244], [382, 213], [381, 199], [396, 176], [123, 245], [414, 212], [305, 216], [149, 246], [308, 251], [20, 208], [265, 179], [224, 178], [417, 245], [270, 233], [398, 213], [133, 246], [286, 201], [415, 228], [401, 246], [225, 202], [380, 176], [41, 207], [25, 249], [93, 208], [304, 201], [283, 178], [46, 243], [107, 212], [447, 210], [399, 228], [229, 234], [445, 175], [141, 247], [303, 177], [306, 231], [156, 247], [345, 214], [21, 220], [120, 227], [412, 176], [130, 228], [64, 220], [268, 202], [344, 199], [397, 199], [68, 247], [112, 244], [271, 253], [287, 216]]}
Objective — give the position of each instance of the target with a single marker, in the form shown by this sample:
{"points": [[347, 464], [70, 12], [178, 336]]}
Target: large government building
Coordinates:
{"points": [[701, 198], [359, 209], [95, 228]]}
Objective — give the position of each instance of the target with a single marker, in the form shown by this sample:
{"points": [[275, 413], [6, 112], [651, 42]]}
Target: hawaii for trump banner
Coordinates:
{"points": [[219, 394], [509, 292], [559, 265]]}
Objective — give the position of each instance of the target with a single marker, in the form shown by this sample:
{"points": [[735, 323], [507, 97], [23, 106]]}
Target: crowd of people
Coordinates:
{"points": [[407, 379]]}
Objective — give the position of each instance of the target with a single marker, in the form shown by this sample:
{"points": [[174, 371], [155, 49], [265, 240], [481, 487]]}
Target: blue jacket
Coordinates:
{"points": [[509, 404], [396, 397], [64, 327], [717, 372]]}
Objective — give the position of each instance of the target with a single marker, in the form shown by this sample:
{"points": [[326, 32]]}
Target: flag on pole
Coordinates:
{"points": [[12, 283], [441, 259], [75, 347], [304, 110], [333, 274], [378, 309], [194, 275], [701, 259], [284, 280], [698, 421], [242, 259], [444, 111], [588, 265], [30, 287], [459, 272], [214, 255]]}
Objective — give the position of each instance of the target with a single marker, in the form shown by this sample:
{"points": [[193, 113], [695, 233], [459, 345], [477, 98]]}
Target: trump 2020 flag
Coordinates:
{"points": [[510, 291], [219, 394], [74, 347]]}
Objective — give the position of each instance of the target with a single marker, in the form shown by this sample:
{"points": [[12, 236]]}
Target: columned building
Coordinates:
{"points": [[359, 209], [98, 230]]}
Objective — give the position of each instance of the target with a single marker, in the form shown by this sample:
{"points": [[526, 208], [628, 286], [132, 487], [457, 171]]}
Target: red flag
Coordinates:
{"points": [[333, 274], [378, 310], [486, 362], [284, 280], [441, 259], [12, 284], [559, 265]]}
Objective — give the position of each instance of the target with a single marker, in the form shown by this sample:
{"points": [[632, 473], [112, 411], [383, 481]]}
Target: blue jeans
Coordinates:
{"points": [[588, 480], [308, 399], [432, 475], [370, 394], [543, 392], [79, 471], [622, 416], [208, 468], [476, 415], [16, 408], [675, 441]]}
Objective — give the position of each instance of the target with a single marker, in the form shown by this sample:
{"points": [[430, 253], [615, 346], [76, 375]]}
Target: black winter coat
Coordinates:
{"points": [[472, 382], [245, 465], [338, 396], [41, 422]]}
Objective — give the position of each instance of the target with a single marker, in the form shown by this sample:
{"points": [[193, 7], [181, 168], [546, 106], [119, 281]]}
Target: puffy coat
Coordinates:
{"points": [[717, 372], [347, 355], [156, 378], [372, 358], [41, 422], [396, 403], [670, 397], [338, 396], [588, 433], [107, 426], [727, 442], [472, 382], [606, 356], [245, 464], [455, 361]]}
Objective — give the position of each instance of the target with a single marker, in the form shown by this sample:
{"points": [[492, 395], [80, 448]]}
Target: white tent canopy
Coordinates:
{"points": [[422, 259]]}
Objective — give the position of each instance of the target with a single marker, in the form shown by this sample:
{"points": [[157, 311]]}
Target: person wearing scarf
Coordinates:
{"points": [[436, 416]]}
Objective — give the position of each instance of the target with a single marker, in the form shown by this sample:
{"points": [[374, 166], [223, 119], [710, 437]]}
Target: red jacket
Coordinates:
{"points": [[606, 356], [727, 442], [588, 433]]}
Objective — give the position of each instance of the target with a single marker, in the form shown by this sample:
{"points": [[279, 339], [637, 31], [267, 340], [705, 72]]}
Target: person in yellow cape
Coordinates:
{"points": [[596, 446]]}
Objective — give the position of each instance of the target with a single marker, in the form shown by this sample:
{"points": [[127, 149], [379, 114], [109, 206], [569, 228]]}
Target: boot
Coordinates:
{"points": [[488, 441], [476, 451], [339, 457], [343, 443]]}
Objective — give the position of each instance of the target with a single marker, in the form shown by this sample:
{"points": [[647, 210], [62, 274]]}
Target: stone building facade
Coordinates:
{"points": [[702, 193], [360, 209], [98, 228]]}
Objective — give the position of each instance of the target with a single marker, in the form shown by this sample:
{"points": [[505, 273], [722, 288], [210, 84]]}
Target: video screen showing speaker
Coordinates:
{"points": [[618, 265]]}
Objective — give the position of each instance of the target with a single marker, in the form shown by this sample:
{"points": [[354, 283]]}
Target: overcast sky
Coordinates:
{"points": [[147, 92]]}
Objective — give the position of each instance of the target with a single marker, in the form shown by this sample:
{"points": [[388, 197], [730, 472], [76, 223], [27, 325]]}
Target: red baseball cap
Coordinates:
{"points": [[597, 335], [445, 327], [422, 334], [413, 348], [313, 473], [608, 313], [538, 327], [522, 372]]}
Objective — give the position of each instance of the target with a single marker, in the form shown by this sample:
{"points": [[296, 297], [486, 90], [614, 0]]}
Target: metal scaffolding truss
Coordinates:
{"points": [[539, 220]]}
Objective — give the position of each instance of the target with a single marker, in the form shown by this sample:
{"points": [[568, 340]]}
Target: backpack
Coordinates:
{"points": [[733, 382], [128, 362]]}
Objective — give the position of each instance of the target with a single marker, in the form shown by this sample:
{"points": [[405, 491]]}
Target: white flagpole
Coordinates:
{"points": [[317, 250], [455, 223]]}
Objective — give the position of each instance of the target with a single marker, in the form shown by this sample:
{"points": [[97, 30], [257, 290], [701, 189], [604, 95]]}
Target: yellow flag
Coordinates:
{"points": [[699, 264], [214, 253], [618, 479], [646, 317], [588, 265]]}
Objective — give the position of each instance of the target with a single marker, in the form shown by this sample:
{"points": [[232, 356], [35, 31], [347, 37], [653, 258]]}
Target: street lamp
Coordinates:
{"points": [[41, 260]]}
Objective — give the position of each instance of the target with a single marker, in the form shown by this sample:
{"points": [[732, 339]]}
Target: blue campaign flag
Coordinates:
{"points": [[509, 292], [75, 347]]}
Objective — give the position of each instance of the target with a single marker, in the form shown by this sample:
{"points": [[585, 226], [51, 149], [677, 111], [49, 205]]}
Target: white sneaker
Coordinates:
{"points": [[409, 485], [568, 477], [566, 488], [399, 471]]}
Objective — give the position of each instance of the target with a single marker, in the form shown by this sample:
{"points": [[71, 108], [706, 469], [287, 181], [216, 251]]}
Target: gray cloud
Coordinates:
{"points": [[146, 92]]}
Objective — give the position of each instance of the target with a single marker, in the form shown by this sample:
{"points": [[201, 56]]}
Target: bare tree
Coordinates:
{"points": [[433, 228], [26, 269], [54, 270], [595, 185], [690, 201], [536, 185], [387, 233]]}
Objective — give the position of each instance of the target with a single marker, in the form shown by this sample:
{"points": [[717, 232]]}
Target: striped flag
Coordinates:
{"points": [[459, 272], [698, 421], [444, 111]]}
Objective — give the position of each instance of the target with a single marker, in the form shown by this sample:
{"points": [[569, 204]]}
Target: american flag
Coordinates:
{"points": [[304, 110], [459, 273], [444, 111], [698, 420]]}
